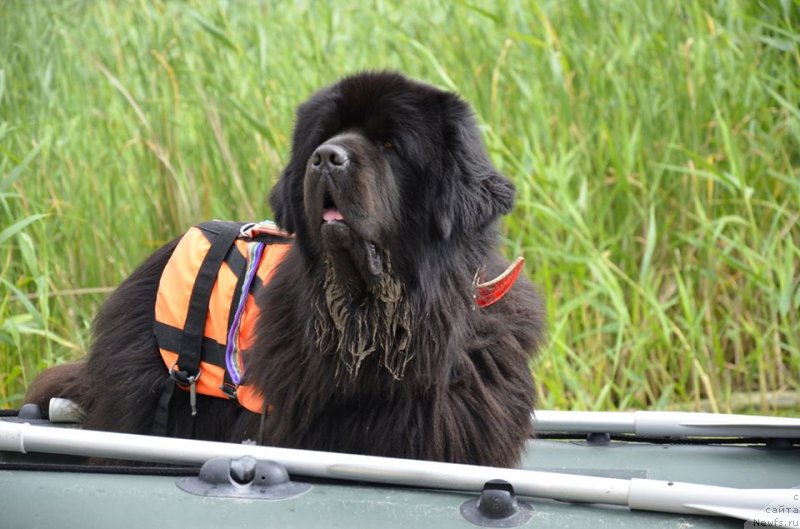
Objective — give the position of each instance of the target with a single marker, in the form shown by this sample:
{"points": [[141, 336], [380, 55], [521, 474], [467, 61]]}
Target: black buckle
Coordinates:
{"points": [[184, 380], [229, 390]]}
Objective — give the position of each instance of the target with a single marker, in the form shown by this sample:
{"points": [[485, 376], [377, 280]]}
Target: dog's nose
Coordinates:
{"points": [[329, 156]]}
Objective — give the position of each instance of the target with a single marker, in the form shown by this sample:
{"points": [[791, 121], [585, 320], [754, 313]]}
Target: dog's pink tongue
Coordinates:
{"points": [[332, 214]]}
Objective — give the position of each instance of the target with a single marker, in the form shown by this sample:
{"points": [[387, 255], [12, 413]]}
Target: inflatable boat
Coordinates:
{"points": [[583, 469]]}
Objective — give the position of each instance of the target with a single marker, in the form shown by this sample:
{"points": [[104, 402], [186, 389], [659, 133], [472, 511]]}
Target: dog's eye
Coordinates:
{"points": [[388, 145]]}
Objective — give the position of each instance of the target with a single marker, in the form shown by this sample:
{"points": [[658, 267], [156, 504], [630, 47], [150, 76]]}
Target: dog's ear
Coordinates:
{"points": [[472, 193]]}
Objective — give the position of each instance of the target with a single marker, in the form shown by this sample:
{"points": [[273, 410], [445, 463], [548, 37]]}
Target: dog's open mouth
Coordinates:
{"points": [[343, 242], [330, 213]]}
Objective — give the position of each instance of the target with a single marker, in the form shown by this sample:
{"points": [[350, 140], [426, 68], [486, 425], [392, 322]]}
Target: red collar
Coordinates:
{"points": [[490, 292]]}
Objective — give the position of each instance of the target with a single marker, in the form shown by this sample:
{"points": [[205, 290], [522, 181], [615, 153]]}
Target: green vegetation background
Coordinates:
{"points": [[655, 146]]}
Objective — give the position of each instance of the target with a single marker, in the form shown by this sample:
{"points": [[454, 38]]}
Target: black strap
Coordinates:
{"points": [[256, 287], [271, 238], [221, 235], [235, 260], [189, 353], [161, 415], [169, 338], [212, 228]]}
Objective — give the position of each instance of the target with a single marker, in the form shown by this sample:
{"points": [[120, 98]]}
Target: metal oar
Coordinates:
{"points": [[641, 494], [667, 424]]}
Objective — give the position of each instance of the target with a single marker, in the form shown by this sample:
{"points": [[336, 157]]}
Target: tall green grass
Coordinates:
{"points": [[655, 147]]}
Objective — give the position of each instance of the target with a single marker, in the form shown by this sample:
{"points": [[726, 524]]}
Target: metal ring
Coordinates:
{"points": [[189, 379], [245, 228]]}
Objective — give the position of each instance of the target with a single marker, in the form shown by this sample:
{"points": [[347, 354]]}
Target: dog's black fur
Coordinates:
{"points": [[369, 340]]}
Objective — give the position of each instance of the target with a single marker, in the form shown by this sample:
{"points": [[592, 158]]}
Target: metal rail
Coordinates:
{"points": [[639, 494], [666, 424]]}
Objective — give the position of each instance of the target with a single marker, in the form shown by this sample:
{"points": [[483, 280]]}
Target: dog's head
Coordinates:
{"points": [[385, 166]]}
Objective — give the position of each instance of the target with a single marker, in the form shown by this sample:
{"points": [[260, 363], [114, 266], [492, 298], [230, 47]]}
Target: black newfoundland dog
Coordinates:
{"points": [[369, 340]]}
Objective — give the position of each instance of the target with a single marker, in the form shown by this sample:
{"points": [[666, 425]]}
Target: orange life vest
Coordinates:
{"points": [[205, 313]]}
